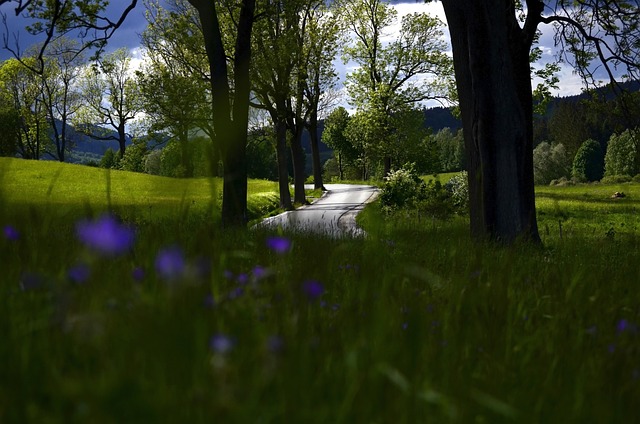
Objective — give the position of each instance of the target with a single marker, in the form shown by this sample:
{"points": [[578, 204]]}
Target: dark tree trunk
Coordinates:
{"points": [[298, 157], [315, 151], [283, 170], [185, 155], [491, 60], [122, 139], [230, 116], [387, 165]]}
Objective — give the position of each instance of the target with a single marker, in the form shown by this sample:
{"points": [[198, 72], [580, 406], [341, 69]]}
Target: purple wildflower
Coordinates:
{"points": [[312, 289], [228, 275], [236, 293], [625, 326], [279, 245], [221, 343], [170, 263], [242, 279], [106, 235], [79, 274], [209, 301], [275, 344], [259, 272], [137, 274], [10, 233]]}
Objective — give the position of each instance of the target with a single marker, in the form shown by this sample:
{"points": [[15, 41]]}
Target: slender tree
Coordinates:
{"points": [[390, 76], [60, 95], [230, 98], [111, 98]]}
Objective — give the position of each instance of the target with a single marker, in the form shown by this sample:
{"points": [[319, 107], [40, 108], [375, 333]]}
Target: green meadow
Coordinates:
{"points": [[412, 324]]}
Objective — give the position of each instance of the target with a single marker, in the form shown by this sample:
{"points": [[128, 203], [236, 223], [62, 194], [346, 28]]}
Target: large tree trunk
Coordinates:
{"points": [[315, 151], [298, 157], [283, 169], [122, 139], [230, 116], [491, 60]]}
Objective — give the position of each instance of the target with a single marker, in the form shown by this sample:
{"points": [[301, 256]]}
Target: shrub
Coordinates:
{"points": [[171, 161], [134, 157], [401, 188], [616, 179], [110, 159], [435, 201], [458, 189], [622, 155], [152, 162], [588, 165], [562, 182], [550, 162]]}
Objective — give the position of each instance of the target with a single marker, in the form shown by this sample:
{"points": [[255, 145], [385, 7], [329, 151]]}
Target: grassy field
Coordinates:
{"points": [[180, 322]]}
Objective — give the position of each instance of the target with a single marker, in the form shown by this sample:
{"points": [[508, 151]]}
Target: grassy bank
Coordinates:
{"points": [[413, 324]]}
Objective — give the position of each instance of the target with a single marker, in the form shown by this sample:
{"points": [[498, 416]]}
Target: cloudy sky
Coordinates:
{"points": [[127, 36]]}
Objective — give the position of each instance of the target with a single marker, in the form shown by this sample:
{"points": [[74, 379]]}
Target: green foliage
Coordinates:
{"points": [[171, 164], [10, 124], [402, 188], [458, 188], [451, 150], [622, 155], [550, 162], [261, 156], [152, 162], [110, 159], [588, 164], [134, 157]]}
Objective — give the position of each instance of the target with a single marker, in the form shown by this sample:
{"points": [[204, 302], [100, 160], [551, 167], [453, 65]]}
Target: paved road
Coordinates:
{"points": [[333, 214]]}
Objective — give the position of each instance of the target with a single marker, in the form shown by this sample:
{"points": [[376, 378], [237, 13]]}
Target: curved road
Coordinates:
{"points": [[333, 214]]}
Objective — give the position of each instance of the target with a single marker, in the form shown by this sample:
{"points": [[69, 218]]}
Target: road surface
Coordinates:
{"points": [[333, 214]]}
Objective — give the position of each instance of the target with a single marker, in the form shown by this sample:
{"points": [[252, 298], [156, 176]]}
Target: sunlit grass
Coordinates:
{"points": [[412, 324]]}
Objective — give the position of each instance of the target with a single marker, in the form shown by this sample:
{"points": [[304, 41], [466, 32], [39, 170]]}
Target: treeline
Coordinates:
{"points": [[588, 137]]}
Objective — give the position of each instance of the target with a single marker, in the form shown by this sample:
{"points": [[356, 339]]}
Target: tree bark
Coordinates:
{"points": [[283, 170], [312, 127], [491, 60], [230, 116], [298, 156]]}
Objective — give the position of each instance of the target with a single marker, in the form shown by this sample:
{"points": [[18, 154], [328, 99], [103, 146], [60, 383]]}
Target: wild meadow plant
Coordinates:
{"points": [[109, 319]]}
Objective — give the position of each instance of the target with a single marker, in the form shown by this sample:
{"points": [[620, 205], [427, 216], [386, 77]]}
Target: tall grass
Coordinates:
{"points": [[412, 324]]}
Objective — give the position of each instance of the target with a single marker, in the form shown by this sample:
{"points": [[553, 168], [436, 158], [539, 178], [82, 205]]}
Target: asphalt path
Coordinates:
{"points": [[333, 214]]}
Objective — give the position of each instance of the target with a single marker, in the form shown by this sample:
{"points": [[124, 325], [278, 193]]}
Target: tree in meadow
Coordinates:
{"points": [[391, 76], [175, 80], [334, 136], [21, 94], [111, 99], [588, 164], [60, 95], [491, 43], [622, 154]]}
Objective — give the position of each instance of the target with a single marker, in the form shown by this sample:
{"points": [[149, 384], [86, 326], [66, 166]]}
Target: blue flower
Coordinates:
{"points": [[275, 344], [221, 343], [279, 245], [106, 235], [170, 263], [10, 233], [312, 289], [79, 274], [259, 272], [138, 274]]}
